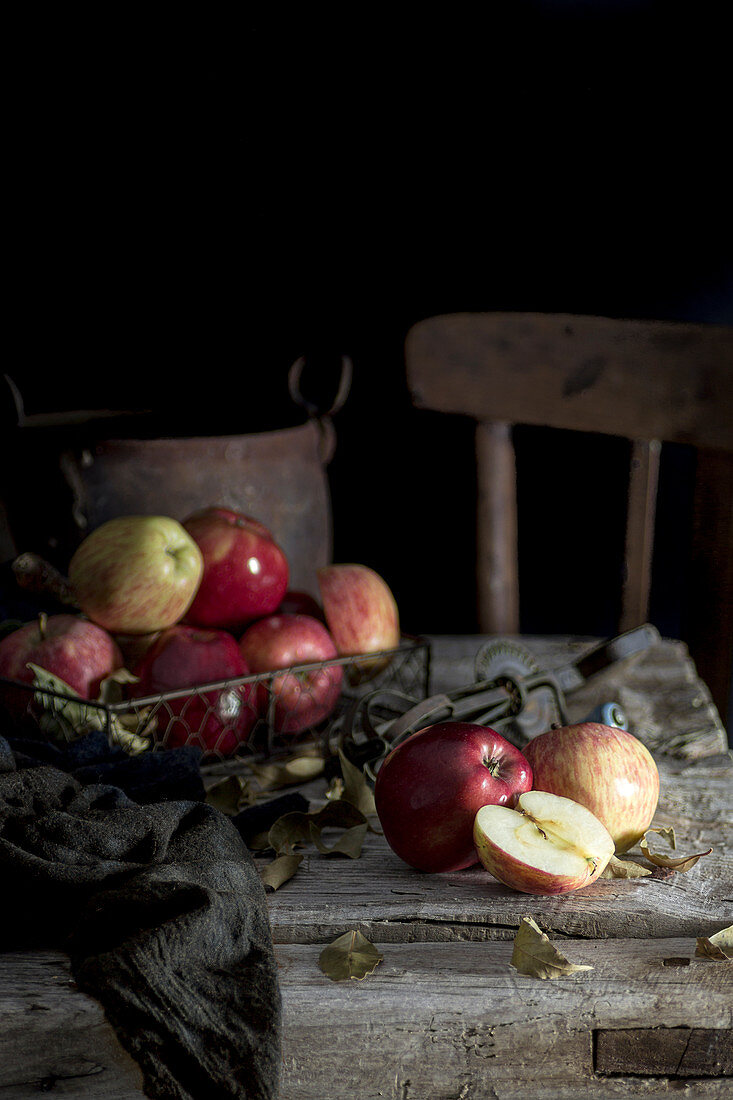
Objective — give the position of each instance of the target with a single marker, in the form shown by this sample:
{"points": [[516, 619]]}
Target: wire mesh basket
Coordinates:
{"points": [[257, 716]]}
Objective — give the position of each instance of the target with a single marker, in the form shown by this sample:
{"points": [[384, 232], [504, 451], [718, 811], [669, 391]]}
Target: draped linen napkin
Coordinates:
{"points": [[160, 908]]}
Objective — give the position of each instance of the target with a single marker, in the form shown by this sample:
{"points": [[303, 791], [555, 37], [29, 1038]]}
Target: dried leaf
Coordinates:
{"points": [[665, 831], [299, 827], [672, 863], [349, 956], [73, 717], [232, 794], [348, 844], [718, 947], [624, 868], [356, 787], [289, 772], [534, 955], [280, 870], [112, 687], [335, 789]]}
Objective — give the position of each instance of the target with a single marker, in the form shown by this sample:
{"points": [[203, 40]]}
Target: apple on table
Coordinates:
{"points": [[294, 700], [245, 571], [218, 720], [430, 787], [608, 770], [136, 574]]}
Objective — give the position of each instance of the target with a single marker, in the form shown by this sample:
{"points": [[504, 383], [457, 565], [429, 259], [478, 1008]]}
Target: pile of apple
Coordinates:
{"points": [[543, 821], [203, 601]]}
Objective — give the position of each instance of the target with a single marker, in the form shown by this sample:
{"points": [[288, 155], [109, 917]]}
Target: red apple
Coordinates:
{"points": [[136, 574], [295, 602], [604, 768], [219, 720], [361, 614], [297, 700], [245, 571], [430, 787], [544, 845], [79, 652]]}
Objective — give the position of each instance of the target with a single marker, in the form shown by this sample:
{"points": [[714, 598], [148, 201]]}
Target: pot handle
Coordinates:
{"points": [[323, 417]]}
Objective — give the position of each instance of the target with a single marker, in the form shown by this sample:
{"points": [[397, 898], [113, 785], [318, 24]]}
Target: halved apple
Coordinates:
{"points": [[545, 845]]}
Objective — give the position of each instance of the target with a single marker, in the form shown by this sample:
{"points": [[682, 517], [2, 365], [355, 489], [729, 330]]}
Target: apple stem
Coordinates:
{"points": [[42, 624]]}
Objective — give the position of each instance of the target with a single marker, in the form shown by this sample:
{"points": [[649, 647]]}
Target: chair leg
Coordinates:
{"points": [[496, 530], [640, 516]]}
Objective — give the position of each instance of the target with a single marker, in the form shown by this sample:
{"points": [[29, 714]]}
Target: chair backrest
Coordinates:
{"points": [[648, 381]]}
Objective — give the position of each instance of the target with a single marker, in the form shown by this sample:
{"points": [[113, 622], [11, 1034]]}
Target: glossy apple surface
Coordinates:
{"points": [[71, 647], [430, 787], [295, 700], [544, 845], [245, 572], [361, 614], [604, 768], [217, 721], [136, 574]]}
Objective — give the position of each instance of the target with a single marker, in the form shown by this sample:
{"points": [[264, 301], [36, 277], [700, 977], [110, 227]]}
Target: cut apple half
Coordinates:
{"points": [[545, 845]]}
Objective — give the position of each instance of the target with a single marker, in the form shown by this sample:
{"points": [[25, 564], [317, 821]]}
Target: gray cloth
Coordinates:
{"points": [[164, 917]]}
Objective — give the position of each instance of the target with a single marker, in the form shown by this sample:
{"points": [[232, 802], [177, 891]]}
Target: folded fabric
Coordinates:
{"points": [[163, 914]]}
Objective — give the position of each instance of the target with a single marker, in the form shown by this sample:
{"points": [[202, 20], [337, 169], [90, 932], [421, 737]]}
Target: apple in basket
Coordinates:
{"points": [[70, 647], [604, 768], [430, 787], [183, 656], [545, 844], [361, 614], [245, 574], [294, 700], [136, 574]]}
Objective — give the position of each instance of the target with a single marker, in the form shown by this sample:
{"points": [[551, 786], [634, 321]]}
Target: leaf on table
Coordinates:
{"points": [[718, 946], [356, 787], [672, 863], [537, 957], [231, 795], [624, 868], [335, 789], [280, 870], [300, 768], [665, 831], [349, 956], [299, 828]]}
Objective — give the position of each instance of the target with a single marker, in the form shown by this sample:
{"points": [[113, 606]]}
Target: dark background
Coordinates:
{"points": [[195, 206]]}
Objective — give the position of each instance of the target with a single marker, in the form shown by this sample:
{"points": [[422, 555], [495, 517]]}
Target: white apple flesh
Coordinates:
{"points": [[546, 845]]}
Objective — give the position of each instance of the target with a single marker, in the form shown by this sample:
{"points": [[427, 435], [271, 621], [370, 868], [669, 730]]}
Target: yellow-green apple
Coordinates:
{"points": [[245, 572], [70, 647], [430, 787], [217, 720], [136, 574], [296, 700], [545, 844], [604, 768], [361, 614]]}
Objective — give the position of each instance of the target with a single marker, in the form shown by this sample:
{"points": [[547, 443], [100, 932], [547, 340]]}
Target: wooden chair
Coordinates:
{"points": [[649, 381]]}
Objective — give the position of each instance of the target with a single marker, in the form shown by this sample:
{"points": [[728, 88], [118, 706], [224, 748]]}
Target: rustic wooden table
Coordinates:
{"points": [[445, 1015]]}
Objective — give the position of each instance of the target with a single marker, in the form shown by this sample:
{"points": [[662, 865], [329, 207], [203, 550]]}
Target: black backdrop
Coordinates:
{"points": [[195, 207]]}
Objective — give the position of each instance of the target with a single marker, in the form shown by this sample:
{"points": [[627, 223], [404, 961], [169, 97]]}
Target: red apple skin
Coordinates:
{"points": [[361, 613], [295, 602], [431, 786], [79, 652], [245, 575], [302, 699], [608, 770], [183, 656]]}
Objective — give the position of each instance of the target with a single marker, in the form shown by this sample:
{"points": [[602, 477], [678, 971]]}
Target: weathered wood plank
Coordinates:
{"points": [[55, 1039], [677, 1051], [457, 1020]]}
